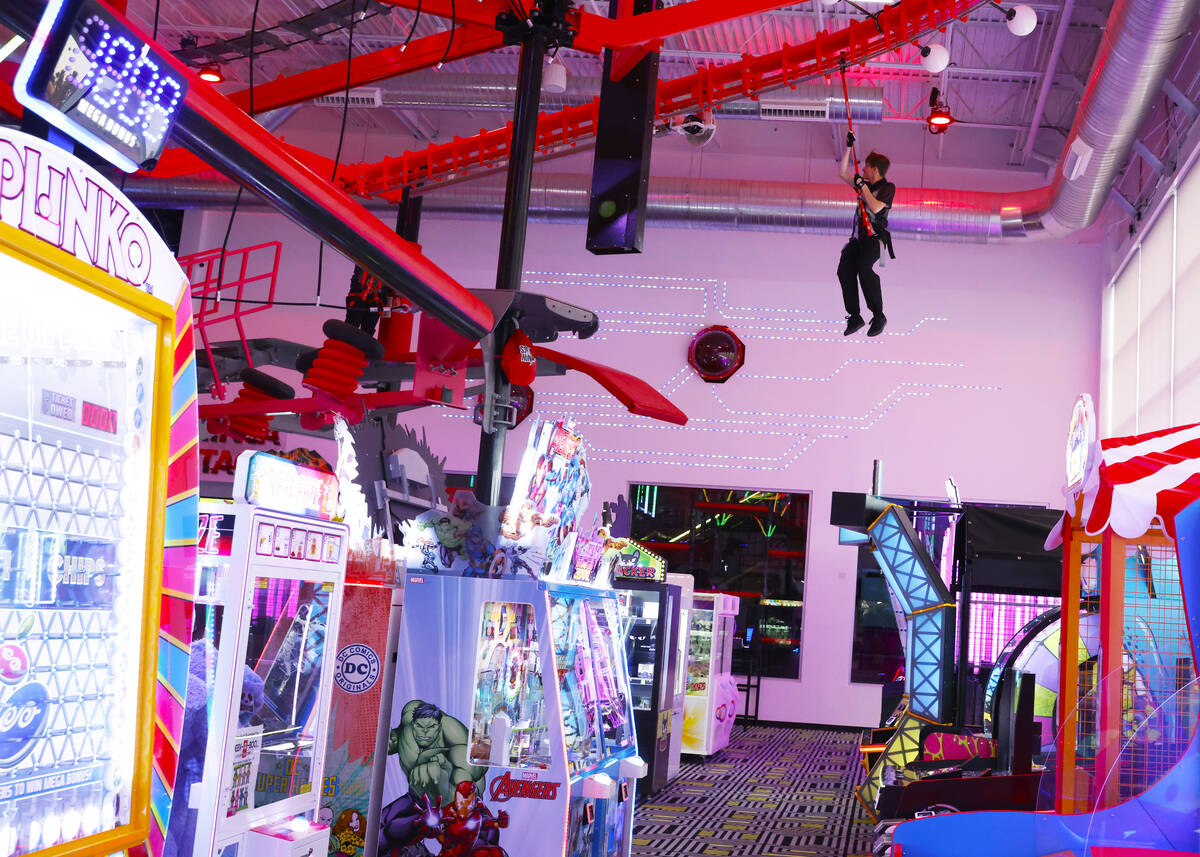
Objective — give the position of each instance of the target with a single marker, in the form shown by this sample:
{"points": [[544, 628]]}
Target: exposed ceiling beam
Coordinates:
{"points": [[467, 40]]}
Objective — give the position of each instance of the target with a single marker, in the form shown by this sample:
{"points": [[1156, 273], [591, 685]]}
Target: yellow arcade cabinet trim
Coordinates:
{"points": [[62, 265]]}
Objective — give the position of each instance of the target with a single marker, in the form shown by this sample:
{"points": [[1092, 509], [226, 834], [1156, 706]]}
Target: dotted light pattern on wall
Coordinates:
{"points": [[772, 438]]}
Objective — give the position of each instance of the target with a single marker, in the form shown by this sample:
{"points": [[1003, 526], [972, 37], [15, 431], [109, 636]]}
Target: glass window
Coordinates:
{"points": [[748, 543], [699, 662], [508, 720], [281, 680]]}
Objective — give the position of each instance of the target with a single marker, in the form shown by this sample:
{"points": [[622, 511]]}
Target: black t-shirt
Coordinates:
{"points": [[884, 191]]}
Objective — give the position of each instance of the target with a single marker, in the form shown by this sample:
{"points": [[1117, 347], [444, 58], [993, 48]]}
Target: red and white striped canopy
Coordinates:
{"points": [[1141, 480]]}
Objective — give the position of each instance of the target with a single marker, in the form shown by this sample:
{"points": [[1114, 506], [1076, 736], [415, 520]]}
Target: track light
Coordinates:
{"points": [[211, 73], [939, 115], [934, 58], [1021, 20], [554, 77]]}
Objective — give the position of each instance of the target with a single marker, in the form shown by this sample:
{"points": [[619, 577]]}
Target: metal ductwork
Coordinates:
{"points": [[1140, 41], [762, 206], [808, 102]]}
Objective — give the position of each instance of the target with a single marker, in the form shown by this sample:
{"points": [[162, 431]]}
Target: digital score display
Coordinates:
{"points": [[91, 76]]}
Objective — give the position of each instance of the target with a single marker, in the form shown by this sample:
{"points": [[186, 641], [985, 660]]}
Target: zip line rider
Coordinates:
{"points": [[857, 265]]}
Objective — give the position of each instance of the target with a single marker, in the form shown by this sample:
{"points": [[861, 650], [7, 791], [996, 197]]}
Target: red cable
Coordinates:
{"points": [[862, 207]]}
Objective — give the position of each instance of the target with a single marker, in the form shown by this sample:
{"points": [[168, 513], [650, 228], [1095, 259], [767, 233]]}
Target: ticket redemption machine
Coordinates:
{"points": [[710, 707], [98, 470], [269, 592]]}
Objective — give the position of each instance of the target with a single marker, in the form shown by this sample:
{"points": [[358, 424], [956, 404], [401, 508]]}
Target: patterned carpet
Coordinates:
{"points": [[773, 792]]}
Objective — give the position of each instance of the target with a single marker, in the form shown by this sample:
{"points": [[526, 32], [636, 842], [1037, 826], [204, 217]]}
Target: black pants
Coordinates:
{"points": [[858, 266]]}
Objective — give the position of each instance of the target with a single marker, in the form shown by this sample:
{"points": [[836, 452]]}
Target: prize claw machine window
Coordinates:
{"points": [[84, 394], [508, 721]]}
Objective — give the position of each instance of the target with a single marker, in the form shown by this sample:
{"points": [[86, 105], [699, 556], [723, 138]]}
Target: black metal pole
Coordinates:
{"points": [[512, 243]]}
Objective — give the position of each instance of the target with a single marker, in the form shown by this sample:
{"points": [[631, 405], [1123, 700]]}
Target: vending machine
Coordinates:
{"points": [[98, 469], [512, 720], [710, 707], [686, 584], [269, 594]]}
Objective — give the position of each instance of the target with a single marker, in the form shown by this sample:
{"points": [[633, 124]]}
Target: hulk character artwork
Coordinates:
{"points": [[432, 750]]}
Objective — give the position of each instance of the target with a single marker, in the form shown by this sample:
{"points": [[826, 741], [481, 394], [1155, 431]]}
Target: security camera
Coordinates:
{"points": [[698, 129]]}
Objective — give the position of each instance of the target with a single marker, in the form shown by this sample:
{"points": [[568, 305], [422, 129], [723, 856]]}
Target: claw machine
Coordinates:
{"points": [[711, 705], [511, 720], [650, 646], [98, 469], [269, 593]]}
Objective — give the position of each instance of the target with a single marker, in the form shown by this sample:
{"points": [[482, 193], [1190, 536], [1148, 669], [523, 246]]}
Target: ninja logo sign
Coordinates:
{"points": [[505, 788]]}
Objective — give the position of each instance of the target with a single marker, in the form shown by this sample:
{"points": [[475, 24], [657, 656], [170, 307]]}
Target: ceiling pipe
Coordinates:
{"points": [[814, 102], [682, 203]]}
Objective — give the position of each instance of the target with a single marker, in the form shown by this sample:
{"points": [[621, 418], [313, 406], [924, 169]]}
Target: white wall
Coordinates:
{"points": [[986, 350], [1151, 355]]}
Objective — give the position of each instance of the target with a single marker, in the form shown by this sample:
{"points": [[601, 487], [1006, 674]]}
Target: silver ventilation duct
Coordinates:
{"points": [[762, 206], [808, 102], [1139, 43]]}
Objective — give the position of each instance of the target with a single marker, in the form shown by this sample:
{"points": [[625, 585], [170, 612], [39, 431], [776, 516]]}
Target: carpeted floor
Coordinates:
{"points": [[773, 792]]}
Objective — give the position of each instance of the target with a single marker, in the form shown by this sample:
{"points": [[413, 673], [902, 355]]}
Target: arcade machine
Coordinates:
{"points": [[372, 602], [268, 602], [652, 653], [686, 584], [712, 695], [98, 469], [512, 721]]}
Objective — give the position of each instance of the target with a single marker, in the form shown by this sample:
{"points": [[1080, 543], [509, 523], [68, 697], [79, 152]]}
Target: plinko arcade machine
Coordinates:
{"points": [[512, 721], [98, 480], [1126, 778]]}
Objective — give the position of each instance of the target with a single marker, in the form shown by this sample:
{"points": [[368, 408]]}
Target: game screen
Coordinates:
{"points": [[281, 680], [508, 721], [641, 647], [577, 683], [77, 376]]}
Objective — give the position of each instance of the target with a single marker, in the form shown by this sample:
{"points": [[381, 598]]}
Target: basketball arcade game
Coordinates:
{"points": [[512, 717], [97, 439]]}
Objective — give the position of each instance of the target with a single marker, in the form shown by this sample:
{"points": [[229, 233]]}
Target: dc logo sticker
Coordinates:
{"points": [[357, 668]]}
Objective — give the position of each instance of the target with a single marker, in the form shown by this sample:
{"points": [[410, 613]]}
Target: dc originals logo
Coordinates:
{"points": [[357, 668]]}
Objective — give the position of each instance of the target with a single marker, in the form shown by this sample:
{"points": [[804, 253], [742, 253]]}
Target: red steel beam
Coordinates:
{"points": [[596, 31], [707, 87]]}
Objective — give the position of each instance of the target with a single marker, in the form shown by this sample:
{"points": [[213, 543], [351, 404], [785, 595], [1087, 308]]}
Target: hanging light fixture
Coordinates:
{"points": [[939, 115], [554, 77], [211, 73], [1021, 20], [934, 58]]}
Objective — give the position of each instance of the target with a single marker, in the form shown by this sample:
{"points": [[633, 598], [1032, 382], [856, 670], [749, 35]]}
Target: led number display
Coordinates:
{"points": [[90, 75]]}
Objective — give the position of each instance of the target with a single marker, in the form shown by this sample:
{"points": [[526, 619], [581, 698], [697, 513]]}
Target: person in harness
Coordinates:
{"points": [[870, 233]]}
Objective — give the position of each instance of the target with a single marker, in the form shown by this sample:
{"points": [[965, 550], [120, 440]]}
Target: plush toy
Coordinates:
{"points": [[252, 696]]}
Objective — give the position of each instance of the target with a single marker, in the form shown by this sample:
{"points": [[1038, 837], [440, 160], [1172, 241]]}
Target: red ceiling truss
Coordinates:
{"points": [[486, 152]]}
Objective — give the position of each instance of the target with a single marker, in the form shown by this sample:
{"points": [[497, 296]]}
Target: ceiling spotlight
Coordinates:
{"points": [[939, 115], [1021, 20], [211, 73], [554, 77], [934, 58]]}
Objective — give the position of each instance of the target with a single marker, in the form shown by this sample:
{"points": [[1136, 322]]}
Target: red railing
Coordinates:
{"points": [[245, 283]]}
